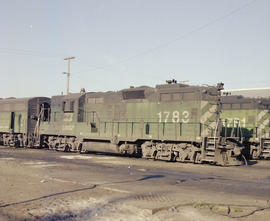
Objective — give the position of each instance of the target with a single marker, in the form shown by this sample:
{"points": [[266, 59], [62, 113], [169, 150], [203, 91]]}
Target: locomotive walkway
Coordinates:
{"points": [[49, 185]]}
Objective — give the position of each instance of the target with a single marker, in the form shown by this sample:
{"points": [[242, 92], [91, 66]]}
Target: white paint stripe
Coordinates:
{"points": [[264, 124], [203, 104], [207, 131], [209, 113], [262, 133], [261, 115]]}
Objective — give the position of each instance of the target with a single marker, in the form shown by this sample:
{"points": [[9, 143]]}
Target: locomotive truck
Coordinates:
{"points": [[248, 119], [171, 122]]}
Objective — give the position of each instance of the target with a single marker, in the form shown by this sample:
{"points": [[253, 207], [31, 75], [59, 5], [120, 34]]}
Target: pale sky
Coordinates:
{"points": [[119, 43]]}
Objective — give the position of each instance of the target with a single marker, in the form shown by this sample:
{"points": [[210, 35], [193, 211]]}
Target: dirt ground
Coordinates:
{"points": [[49, 186]]}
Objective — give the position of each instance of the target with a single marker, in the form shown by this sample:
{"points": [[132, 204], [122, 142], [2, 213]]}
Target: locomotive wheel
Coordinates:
{"points": [[255, 154], [79, 148], [66, 148]]}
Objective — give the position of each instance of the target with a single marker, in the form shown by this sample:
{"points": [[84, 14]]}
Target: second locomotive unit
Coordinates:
{"points": [[249, 120]]}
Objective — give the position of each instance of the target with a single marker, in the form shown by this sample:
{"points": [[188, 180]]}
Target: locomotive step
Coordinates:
{"points": [[211, 143], [266, 151], [212, 140], [208, 159]]}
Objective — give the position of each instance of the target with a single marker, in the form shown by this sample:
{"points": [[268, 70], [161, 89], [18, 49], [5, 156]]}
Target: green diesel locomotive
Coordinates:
{"points": [[172, 122]]}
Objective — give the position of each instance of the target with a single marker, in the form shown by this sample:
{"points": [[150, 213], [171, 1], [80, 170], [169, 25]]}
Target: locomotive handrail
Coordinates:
{"points": [[238, 133], [93, 112]]}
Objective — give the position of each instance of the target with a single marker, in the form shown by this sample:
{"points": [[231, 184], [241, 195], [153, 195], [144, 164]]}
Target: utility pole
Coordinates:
{"points": [[68, 73]]}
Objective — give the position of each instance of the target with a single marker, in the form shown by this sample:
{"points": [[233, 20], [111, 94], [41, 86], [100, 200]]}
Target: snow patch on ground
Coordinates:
{"points": [[40, 164], [68, 210], [84, 157], [45, 165], [35, 163], [105, 158], [96, 210], [7, 158], [75, 157], [115, 162]]}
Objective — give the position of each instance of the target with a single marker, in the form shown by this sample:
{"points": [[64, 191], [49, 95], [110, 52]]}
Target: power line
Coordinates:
{"points": [[163, 45], [28, 52]]}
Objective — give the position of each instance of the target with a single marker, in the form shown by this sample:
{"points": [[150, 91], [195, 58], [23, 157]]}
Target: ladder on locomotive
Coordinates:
{"points": [[209, 149]]}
